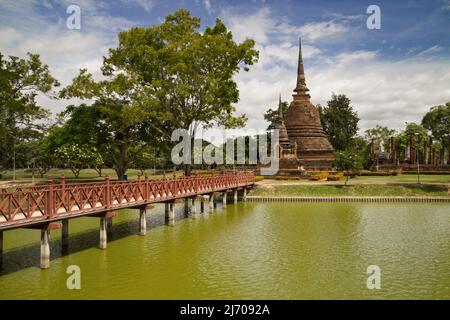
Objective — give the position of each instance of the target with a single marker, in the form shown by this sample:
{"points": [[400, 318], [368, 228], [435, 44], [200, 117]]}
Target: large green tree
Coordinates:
{"points": [[159, 79], [340, 121], [22, 119], [188, 73], [272, 116], [437, 121], [413, 132]]}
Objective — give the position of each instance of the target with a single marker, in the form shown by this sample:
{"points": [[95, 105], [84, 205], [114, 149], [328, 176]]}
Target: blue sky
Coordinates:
{"points": [[392, 75]]}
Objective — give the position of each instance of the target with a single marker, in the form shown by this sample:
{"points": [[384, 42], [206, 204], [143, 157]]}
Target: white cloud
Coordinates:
{"points": [[207, 4], [382, 91], [147, 5], [325, 29], [355, 56], [257, 26], [431, 50]]}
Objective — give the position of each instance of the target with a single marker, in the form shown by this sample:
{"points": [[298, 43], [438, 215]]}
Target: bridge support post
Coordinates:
{"points": [[211, 203], [65, 233], [193, 208], [1, 249], [244, 197], [170, 213], [202, 204], [143, 221], [186, 207], [235, 196], [224, 199], [103, 233], [109, 225], [45, 248]]}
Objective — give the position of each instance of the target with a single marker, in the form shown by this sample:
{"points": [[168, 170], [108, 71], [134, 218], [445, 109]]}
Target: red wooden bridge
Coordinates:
{"points": [[44, 206]]}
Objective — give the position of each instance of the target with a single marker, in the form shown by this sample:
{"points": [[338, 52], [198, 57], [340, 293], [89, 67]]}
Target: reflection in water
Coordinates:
{"points": [[248, 250]]}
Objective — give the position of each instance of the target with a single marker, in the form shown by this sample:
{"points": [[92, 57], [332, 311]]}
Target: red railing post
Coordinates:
{"points": [[50, 198], [146, 189], [107, 192], [175, 185], [63, 192], [139, 187]]}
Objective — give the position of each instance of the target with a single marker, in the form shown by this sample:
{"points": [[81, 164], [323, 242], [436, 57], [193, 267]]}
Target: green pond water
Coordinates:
{"points": [[246, 251]]}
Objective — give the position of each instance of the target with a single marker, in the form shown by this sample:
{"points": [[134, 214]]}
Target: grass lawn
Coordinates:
{"points": [[86, 175], [402, 185], [430, 190]]}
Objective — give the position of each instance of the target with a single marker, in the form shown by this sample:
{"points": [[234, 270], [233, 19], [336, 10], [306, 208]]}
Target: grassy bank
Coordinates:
{"points": [[24, 177], [387, 190]]}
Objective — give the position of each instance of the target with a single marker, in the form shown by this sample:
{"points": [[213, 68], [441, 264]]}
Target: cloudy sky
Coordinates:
{"points": [[392, 75]]}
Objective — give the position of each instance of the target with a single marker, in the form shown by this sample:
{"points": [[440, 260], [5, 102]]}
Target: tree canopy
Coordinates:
{"points": [[340, 121], [159, 79], [22, 120], [437, 121], [272, 115]]}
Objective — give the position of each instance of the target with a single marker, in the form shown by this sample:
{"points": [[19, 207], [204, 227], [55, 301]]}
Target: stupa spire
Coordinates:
{"points": [[301, 88], [280, 109]]}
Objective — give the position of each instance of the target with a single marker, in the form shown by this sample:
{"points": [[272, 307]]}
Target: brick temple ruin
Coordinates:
{"points": [[304, 145], [430, 156]]}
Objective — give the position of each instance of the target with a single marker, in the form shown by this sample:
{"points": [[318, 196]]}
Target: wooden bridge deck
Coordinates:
{"points": [[26, 207]]}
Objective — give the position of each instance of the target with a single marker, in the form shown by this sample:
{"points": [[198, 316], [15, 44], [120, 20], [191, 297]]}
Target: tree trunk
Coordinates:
{"points": [[120, 171], [187, 169], [121, 162]]}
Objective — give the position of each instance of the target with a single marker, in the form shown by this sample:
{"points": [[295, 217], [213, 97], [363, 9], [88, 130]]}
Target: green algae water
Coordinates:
{"points": [[245, 251]]}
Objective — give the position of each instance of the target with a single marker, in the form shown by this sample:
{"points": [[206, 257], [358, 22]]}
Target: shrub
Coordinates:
{"points": [[259, 178], [426, 172], [319, 176], [368, 173], [335, 177]]}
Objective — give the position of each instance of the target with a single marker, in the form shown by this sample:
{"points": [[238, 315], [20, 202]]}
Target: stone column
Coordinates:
{"points": [[372, 151], [433, 156], [430, 151], [394, 151], [224, 199], [143, 221], [65, 233], [425, 152], [45, 248], [408, 151], [103, 233], [235, 195]]}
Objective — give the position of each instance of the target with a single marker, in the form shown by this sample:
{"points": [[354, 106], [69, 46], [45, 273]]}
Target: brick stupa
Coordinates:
{"points": [[308, 147]]}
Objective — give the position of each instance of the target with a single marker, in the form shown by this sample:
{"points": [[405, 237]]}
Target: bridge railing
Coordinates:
{"points": [[51, 200]]}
